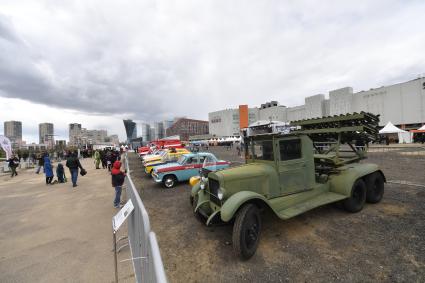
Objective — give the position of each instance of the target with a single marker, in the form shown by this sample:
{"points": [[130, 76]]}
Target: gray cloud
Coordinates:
{"points": [[159, 59]]}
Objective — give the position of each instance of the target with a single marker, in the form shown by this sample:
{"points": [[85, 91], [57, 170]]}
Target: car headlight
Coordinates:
{"points": [[202, 186], [220, 194]]}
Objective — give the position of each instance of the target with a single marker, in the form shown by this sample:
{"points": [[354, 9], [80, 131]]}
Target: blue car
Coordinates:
{"points": [[186, 167]]}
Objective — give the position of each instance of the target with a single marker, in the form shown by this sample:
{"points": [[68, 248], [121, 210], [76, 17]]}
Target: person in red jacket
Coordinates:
{"points": [[118, 178]]}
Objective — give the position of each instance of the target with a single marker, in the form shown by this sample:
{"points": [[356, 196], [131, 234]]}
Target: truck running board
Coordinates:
{"points": [[314, 202]]}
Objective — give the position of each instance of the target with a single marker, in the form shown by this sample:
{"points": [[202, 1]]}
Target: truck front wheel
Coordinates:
{"points": [[357, 199], [246, 231], [375, 187]]}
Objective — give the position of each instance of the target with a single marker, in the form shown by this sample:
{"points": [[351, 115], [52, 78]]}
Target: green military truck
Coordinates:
{"points": [[309, 164]]}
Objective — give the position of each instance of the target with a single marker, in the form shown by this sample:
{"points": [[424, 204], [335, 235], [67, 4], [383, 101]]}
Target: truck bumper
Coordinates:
{"points": [[209, 210]]}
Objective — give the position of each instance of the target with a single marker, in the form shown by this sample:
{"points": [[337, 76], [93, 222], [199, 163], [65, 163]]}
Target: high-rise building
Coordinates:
{"points": [[144, 131], [13, 130], [130, 129], [46, 134], [152, 134], [159, 130], [75, 134], [167, 124]]}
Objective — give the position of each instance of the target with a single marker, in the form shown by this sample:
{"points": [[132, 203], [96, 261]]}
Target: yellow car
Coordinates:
{"points": [[153, 157], [170, 156]]}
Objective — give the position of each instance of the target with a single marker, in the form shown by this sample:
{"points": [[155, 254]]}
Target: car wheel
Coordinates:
{"points": [[246, 231], [357, 199], [169, 181], [375, 187], [151, 173]]}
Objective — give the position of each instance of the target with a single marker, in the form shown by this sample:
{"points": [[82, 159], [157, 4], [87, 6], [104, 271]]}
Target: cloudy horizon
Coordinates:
{"points": [[96, 64]]}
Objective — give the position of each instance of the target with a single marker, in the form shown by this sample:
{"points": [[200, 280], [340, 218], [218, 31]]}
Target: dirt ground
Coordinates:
{"points": [[384, 242]]}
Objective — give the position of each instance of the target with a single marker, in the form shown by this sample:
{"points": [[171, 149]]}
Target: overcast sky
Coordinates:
{"points": [[97, 62]]}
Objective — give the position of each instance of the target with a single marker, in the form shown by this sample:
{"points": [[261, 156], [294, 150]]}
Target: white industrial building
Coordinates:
{"points": [[403, 104], [226, 122]]}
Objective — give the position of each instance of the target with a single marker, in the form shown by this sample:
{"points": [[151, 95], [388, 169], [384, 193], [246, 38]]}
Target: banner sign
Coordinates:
{"points": [[122, 215], [6, 145]]}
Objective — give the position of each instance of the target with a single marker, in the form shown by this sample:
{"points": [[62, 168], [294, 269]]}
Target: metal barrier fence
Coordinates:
{"points": [[146, 258]]}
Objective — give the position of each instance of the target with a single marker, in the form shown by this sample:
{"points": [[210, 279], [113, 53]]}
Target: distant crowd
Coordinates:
{"points": [[107, 158]]}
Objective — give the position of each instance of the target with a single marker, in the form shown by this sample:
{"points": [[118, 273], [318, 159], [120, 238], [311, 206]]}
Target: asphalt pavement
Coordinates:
{"points": [[56, 233]]}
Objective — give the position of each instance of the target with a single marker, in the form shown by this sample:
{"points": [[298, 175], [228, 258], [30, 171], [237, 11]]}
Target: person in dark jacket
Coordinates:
{"points": [[13, 162], [73, 164], [40, 163], [118, 178], [60, 173], [48, 169]]}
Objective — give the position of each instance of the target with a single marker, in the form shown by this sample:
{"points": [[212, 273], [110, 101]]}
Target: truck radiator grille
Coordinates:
{"points": [[213, 186]]}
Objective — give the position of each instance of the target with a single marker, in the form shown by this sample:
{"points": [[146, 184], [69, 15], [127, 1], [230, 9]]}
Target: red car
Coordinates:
{"points": [[159, 144]]}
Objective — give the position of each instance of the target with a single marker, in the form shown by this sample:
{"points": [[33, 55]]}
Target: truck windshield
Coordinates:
{"points": [[262, 150]]}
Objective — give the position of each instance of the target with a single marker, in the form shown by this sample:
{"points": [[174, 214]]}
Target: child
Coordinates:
{"points": [[118, 178], [60, 172]]}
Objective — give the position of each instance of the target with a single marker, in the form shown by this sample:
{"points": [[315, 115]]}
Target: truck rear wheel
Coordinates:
{"points": [[246, 231], [357, 199], [375, 187]]}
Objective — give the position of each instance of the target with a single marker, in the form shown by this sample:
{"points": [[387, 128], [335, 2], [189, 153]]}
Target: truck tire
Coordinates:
{"points": [[169, 181], [246, 231], [357, 199], [375, 187]]}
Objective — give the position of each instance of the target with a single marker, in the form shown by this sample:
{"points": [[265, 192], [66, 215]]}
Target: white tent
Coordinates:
{"points": [[391, 129], [403, 136], [422, 128]]}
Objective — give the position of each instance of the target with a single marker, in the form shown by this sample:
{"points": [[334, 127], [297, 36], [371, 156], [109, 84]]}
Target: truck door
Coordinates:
{"points": [[292, 166]]}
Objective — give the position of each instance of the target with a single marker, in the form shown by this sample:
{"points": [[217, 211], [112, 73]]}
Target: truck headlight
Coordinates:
{"points": [[202, 186], [220, 194]]}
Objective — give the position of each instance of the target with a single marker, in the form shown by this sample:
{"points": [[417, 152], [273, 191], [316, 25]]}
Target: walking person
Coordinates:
{"points": [[40, 160], [73, 163], [60, 173], [48, 170], [13, 164], [118, 178], [97, 159]]}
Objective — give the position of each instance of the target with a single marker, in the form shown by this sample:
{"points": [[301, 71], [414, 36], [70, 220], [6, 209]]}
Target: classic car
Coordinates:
{"points": [[186, 167], [154, 153], [171, 153], [167, 158]]}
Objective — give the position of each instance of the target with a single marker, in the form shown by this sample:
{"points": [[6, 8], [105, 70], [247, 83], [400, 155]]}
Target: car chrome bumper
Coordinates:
{"points": [[156, 178]]}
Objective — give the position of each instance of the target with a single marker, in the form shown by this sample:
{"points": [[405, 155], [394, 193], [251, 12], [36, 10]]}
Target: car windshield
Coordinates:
{"points": [[261, 149], [163, 153], [181, 159], [208, 162]]}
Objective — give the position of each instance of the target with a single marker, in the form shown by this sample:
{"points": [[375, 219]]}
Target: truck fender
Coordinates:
{"points": [[232, 204], [195, 189], [343, 182]]}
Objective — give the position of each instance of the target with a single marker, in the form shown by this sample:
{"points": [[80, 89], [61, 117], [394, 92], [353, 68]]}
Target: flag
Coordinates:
{"points": [[6, 146]]}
